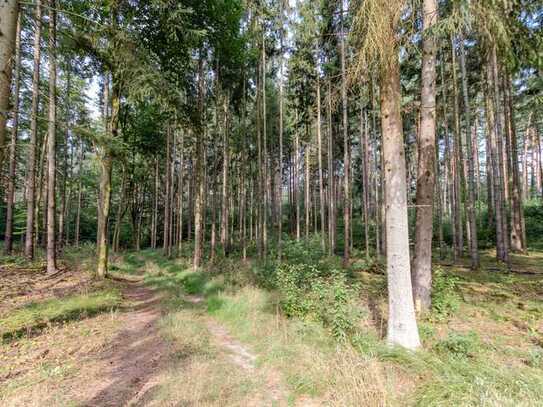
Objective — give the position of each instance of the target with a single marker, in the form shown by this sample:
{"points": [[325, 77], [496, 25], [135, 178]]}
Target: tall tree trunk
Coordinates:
{"points": [[307, 204], [106, 164], [347, 151], [225, 164], [449, 160], [213, 223], [33, 145], [319, 152], [154, 220], [8, 238], [199, 174], [297, 176], [402, 325], [9, 9], [51, 143], [120, 213], [494, 159], [167, 191], [265, 153], [364, 146], [422, 262], [459, 180], [504, 256], [331, 187], [62, 211], [79, 193], [470, 199], [517, 242], [180, 192]]}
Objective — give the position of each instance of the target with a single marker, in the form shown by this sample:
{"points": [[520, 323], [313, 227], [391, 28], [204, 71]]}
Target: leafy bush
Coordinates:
{"points": [[305, 251], [317, 294], [445, 298], [459, 345]]}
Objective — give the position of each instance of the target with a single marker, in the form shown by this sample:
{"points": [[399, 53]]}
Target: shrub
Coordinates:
{"points": [[325, 296], [459, 345], [445, 298]]}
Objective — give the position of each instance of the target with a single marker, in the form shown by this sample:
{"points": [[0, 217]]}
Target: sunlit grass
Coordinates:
{"points": [[38, 314]]}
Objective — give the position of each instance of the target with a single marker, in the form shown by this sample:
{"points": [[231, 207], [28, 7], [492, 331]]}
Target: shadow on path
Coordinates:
{"points": [[135, 356]]}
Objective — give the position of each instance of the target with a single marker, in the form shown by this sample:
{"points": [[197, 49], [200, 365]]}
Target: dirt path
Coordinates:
{"points": [[244, 358], [128, 368]]}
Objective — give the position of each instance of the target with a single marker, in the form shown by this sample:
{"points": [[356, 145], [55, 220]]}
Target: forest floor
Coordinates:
{"points": [[159, 334]]}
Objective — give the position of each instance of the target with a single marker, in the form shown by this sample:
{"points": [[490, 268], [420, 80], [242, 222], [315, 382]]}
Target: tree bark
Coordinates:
{"points": [[319, 152], [79, 194], [199, 174], [422, 262], [517, 242], [180, 192], [62, 211], [32, 148], [402, 325], [167, 192], [364, 146], [8, 238], [493, 135], [225, 165], [307, 205], [458, 173], [504, 255], [51, 144], [472, 219], [9, 9], [347, 153], [106, 166], [331, 187]]}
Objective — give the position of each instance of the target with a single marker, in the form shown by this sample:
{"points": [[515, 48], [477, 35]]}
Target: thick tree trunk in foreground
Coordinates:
{"points": [[33, 145], [8, 23], [51, 144], [402, 325], [422, 263], [8, 238]]}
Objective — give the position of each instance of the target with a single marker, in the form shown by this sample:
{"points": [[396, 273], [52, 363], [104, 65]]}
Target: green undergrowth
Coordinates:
{"points": [[37, 315]]}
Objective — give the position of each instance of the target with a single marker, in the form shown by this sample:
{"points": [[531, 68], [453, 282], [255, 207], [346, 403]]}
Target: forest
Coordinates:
{"points": [[271, 203]]}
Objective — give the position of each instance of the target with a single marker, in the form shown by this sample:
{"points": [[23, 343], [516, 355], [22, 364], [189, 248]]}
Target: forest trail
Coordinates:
{"points": [[130, 364], [244, 358]]}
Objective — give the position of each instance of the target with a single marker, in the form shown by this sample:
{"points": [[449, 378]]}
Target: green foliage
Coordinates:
{"points": [[535, 358], [325, 296], [445, 297], [459, 345], [533, 215]]}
